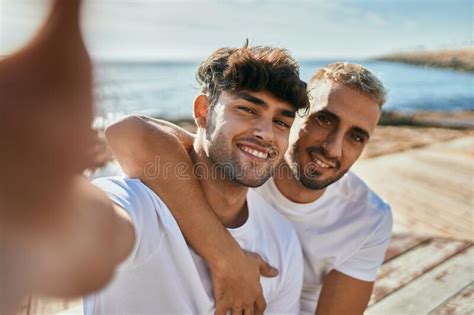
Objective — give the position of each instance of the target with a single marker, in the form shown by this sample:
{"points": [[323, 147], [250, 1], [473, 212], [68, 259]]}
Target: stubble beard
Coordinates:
{"points": [[307, 175], [229, 166]]}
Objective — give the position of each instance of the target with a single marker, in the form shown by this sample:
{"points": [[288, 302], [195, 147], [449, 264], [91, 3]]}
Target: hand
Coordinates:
{"points": [[236, 283], [98, 153], [46, 113]]}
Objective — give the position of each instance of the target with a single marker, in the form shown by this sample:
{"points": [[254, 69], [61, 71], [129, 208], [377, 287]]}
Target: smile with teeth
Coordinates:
{"points": [[322, 164], [253, 152]]}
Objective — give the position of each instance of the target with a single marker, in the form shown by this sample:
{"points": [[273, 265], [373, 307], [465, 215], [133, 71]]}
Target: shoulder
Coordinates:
{"points": [[148, 213], [119, 184], [125, 187], [365, 212], [374, 209], [141, 203], [272, 222], [358, 194]]}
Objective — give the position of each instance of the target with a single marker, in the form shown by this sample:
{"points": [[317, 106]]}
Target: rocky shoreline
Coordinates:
{"points": [[459, 59]]}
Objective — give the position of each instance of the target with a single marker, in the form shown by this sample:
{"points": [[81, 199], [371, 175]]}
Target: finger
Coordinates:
{"points": [[237, 311], [260, 305], [249, 310], [266, 270], [221, 309]]}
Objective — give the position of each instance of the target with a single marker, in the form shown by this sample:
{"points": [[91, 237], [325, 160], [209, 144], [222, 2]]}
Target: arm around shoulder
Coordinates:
{"points": [[138, 141]]}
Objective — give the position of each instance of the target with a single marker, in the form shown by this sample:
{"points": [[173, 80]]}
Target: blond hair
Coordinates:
{"points": [[354, 76]]}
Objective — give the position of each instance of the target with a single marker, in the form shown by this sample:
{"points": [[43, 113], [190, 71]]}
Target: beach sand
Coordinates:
{"points": [[393, 139]]}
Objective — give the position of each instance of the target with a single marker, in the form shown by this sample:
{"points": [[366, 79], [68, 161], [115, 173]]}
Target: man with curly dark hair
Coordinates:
{"points": [[343, 226], [248, 102]]}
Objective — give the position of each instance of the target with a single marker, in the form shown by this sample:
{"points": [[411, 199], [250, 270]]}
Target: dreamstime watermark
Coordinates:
{"points": [[223, 170]]}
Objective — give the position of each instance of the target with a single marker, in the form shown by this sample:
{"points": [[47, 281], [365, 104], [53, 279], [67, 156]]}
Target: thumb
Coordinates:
{"points": [[267, 271]]}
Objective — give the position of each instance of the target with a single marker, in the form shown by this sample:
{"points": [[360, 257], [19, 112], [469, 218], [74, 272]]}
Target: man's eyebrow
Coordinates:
{"points": [[288, 113], [252, 99], [257, 101], [328, 113]]}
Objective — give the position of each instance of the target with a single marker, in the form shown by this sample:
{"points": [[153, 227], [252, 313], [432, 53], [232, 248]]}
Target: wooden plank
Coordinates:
{"points": [[436, 200], [425, 198], [401, 243], [428, 291], [401, 270], [461, 304], [421, 207]]}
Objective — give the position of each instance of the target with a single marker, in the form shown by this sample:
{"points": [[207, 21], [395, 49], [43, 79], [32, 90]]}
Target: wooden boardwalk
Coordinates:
{"points": [[430, 189], [429, 265], [425, 276]]}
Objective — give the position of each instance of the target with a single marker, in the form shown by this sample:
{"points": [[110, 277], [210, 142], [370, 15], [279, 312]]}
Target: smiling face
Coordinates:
{"points": [[325, 143], [247, 134]]}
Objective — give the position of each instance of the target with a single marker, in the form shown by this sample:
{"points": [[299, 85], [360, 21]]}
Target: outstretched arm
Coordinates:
{"points": [[59, 235], [156, 151]]}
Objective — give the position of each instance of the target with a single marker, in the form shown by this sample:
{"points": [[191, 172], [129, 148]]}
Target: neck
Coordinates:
{"points": [[226, 198], [292, 189]]}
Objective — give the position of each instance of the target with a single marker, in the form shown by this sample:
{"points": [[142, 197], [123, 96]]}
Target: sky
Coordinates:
{"points": [[190, 30]]}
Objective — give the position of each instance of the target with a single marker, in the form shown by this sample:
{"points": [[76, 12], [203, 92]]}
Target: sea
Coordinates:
{"points": [[167, 89]]}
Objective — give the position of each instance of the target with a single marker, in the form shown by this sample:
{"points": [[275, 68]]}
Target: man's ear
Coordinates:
{"points": [[201, 106]]}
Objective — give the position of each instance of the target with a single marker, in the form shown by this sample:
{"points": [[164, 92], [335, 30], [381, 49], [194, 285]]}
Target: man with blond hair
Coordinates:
{"points": [[344, 227]]}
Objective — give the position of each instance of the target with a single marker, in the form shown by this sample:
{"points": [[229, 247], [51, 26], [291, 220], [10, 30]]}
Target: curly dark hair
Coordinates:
{"points": [[257, 68]]}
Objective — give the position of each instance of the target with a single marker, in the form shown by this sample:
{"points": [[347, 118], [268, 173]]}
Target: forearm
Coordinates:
{"points": [[202, 229], [342, 294]]}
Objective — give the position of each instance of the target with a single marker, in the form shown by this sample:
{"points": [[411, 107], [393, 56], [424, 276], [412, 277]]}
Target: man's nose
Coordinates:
{"points": [[264, 131], [333, 144]]}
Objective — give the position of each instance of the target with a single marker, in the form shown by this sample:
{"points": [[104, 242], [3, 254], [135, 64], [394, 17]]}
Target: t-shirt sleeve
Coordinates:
{"points": [[365, 263], [288, 299], [133, 196]]}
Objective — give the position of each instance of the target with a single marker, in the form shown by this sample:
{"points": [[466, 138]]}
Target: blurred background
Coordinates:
{"points": [[147, 51]]}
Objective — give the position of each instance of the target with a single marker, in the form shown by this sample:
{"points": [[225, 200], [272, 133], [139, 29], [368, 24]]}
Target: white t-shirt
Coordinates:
{"points": [[162, 275], [347, 229]]}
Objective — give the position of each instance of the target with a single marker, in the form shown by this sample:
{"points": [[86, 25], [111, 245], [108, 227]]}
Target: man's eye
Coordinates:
{"points": [[282, 123], [324, 120], [357, 138], [246, 109]]}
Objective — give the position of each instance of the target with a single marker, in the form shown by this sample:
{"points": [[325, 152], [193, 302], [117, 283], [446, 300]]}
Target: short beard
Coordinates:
{"points": [[307, 175], [228, 166], [309, 179], [234, 172]]}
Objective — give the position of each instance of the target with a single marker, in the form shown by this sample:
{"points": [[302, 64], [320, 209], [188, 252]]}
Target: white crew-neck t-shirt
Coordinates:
{"points": [[162, 275], [347, 229]]}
